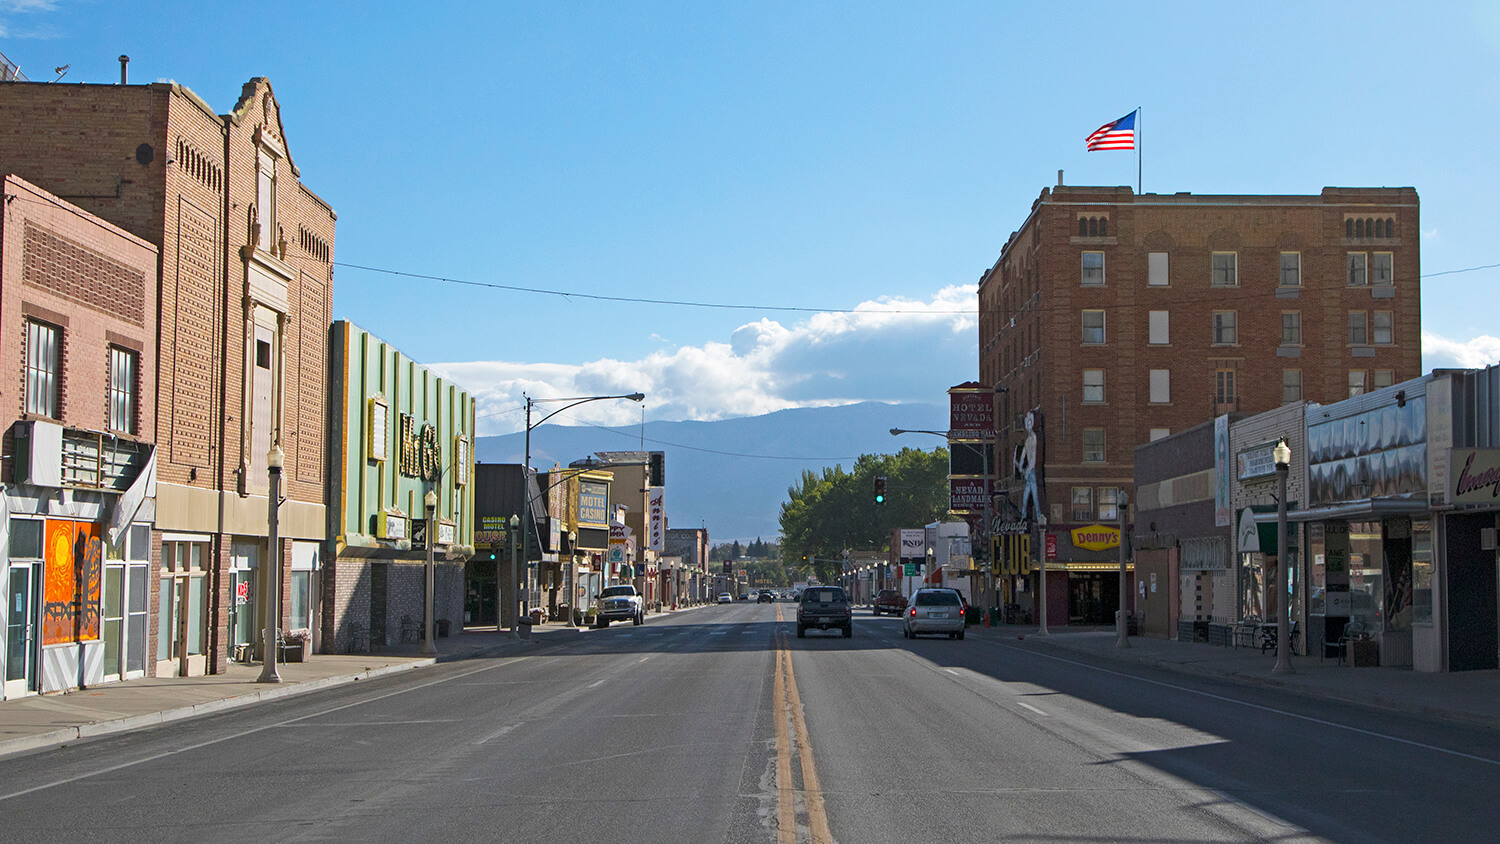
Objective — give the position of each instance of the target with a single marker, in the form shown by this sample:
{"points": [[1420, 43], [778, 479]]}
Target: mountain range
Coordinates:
{"points": [[731, 476]]}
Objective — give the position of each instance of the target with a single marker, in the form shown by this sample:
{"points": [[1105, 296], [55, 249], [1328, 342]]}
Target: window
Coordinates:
{"points": [[1109, 503], [1291, 328], [1093, 328], [1093, 445], [1382, 378], [41, 368], [1224, 332], [1093, 269], [1291, 385], [1093, 386], [1224, 387], [1356, 382], [1156, 266], [1291, 269], [1356, 273], [1381, 271], [1161, 386], [1083, 504], [1225, 266], [122, 390], [1159, 327], [1160, 433], [265, 200], [1382, 329], [1359, 328]]}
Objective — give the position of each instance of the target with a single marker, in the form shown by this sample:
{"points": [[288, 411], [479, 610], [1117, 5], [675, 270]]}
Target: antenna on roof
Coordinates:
{"points": [[61, 71]]}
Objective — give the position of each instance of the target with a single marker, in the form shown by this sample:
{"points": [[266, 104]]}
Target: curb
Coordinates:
{"points": [[1374, 701], [150, 719]]}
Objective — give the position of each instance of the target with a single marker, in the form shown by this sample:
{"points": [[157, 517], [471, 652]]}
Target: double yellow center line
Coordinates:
{"points": [[791, 730]]}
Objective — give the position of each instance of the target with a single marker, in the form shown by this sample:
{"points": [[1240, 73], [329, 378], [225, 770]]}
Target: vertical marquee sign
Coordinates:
{"points": [[971, 427], [421, 455]]}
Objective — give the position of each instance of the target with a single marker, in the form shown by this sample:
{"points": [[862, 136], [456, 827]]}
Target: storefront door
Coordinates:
{"points": [[23, 599], [183, 623], [243, 562]]}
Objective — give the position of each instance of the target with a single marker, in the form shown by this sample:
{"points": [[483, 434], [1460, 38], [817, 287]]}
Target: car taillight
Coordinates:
{"points": [[913, 612]]}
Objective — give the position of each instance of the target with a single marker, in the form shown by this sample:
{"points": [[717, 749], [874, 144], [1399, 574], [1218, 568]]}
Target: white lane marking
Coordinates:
{"points": [[642, 659], [953, 671], [241, 734], [1272, 710], [596, 684], [719, 633], [1024, 705], [496, 734]]}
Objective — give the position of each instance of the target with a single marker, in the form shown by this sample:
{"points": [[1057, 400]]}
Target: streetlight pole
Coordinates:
{"points": [[1282, 454], [429, 647], [270, 637], [1122, 630], [515, 593], [573, 401]]}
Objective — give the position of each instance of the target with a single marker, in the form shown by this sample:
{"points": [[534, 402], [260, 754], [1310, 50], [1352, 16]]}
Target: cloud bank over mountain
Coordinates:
{"points": [[890, 349]]}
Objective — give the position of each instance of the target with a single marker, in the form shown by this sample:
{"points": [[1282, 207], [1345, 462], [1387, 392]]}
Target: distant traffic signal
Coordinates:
{"points": [[657, 475], [879, 489]]}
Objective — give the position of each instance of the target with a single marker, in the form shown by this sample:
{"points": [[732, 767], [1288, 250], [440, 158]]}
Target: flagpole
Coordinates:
{"points": [[1138, 150]]}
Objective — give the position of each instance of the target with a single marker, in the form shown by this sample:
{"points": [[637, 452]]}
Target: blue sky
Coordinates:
{"points": [[843, 171]]}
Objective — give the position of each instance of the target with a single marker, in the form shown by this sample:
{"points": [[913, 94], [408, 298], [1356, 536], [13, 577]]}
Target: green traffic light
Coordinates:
{"points": [[880, 499]]}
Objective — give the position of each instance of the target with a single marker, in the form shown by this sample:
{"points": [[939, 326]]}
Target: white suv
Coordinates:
{"points": [[620, 603]]}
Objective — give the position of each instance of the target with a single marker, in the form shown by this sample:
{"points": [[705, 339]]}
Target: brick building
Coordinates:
{"points": [[1111, 319], [245, 289], [78, 346]]}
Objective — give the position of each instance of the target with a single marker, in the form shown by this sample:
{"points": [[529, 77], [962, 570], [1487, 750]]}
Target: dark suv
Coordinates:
{"points": [[889, 601], [824, 607]]}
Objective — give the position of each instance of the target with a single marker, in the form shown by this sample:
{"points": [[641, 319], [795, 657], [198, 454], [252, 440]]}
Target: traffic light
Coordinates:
{"points": [[879, 489], [657, 471]]}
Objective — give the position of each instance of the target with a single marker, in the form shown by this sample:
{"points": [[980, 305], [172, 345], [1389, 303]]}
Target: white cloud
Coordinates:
{"points": [[890, 349], [1440, 352]]}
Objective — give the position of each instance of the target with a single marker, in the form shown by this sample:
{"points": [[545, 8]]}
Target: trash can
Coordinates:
{"points": [[442, 628], [523, 627]]}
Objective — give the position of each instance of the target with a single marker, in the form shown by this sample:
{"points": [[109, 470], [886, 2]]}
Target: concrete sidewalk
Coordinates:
{"points": [[1466, 697]]}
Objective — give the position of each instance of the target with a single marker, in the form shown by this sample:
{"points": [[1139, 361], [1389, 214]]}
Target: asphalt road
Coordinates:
{"points": [[720, 725]]}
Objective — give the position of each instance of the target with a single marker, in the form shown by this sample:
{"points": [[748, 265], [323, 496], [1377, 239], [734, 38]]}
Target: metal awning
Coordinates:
{"points": [[1368, 508]]}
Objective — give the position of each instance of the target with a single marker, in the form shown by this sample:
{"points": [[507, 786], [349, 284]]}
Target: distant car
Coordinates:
{"points": [[934, 611], [824, 607], [765, 597], [620, 603], [726, 598], [889, 601]]}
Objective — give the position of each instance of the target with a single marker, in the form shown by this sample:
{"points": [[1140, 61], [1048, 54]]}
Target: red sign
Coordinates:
{"points": [[1052, 546], [971, 412]]}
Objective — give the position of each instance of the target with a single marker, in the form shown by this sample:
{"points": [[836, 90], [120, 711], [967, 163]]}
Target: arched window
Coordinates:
{"points": [[1370, 230], [1348, 228], [1104, 227], [1093, 227], [1390, 227], [1359, 228], [1083, 227]]}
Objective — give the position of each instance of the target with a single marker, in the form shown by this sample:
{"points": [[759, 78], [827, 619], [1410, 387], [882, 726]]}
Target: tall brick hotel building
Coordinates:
{"points": [[1116, 318]]}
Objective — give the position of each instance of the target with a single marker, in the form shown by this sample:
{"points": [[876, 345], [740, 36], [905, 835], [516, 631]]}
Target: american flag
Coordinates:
{"points": [[1116, 134]]}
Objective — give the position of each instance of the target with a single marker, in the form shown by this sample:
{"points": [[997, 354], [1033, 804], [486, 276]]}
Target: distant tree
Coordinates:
{"points": [[737, 552]]}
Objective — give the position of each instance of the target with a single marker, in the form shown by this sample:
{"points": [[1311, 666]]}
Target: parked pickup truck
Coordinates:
{"points": [[620, 603]]}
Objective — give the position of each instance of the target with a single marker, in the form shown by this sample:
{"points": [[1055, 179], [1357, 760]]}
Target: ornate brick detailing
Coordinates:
{"points": [[73, 271]]}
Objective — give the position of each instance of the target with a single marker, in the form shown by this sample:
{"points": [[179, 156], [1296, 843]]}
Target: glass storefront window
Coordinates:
{"points": [[301, 599], [1366, 573], [1421, 572], [25, 539]]}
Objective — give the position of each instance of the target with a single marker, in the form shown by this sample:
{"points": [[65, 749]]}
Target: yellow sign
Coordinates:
{"points": [[1096, 537]]}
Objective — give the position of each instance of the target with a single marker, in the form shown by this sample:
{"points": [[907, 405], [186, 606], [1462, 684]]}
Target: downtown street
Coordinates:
{"points": [[718, 724]]}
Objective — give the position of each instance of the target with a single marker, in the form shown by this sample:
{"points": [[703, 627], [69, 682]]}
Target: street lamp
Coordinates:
{"points": [[1282, 454], [515, 592], [429, 647], [270, 633], [1122, 631], [573, 401]]}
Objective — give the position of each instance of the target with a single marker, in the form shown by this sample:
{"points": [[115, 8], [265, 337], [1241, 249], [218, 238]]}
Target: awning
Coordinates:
{"points": [[1365, 509]]}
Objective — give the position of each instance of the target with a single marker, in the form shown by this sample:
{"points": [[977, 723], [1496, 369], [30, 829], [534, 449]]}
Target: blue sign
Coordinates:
{"points": [[593, 504]]}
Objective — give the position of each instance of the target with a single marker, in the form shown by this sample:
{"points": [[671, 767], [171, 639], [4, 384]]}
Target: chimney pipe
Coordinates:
{"points": [[1059, 173], [125, 60]]}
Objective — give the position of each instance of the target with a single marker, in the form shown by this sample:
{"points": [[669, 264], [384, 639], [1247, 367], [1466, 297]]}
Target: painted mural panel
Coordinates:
{"points": [[74, 568]]}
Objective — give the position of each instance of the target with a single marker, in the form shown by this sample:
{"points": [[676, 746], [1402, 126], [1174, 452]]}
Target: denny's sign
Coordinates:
{"points": [[1096, 537]]}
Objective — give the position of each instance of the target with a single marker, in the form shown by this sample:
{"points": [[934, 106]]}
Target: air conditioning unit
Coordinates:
{"points": [[38, 453]]}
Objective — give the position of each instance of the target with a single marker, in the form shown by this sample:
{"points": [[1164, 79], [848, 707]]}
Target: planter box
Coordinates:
{"points": [[1364, 653], [292, 653]]}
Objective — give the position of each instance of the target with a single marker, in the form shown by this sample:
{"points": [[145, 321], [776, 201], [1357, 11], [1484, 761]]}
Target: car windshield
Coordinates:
{"points": [[937, 599], [823, 596], [617, 592]]}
